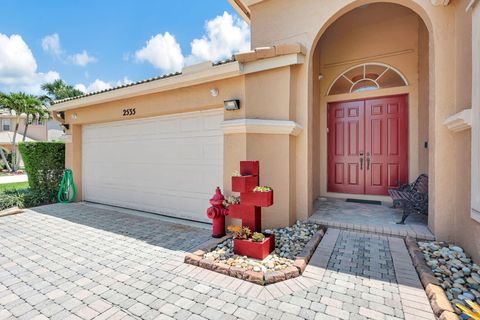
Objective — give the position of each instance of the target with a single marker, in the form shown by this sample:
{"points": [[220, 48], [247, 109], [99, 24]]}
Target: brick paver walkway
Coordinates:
{"points": [[81, 262]]}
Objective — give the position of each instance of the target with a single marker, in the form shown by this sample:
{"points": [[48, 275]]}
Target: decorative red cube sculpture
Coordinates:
{"points": [[252, 249], [250, 210]]}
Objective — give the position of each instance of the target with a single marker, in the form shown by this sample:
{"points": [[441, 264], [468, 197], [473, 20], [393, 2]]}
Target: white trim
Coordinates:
{"points": [[440, 3], [272, 63], [214, 73], [263, 126], [471, 5], [364, 65], [459, 121], [249, 3]]}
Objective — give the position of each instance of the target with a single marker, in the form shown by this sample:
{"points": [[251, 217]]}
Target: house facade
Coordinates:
{"points": [[339, 99], [37, 129]]}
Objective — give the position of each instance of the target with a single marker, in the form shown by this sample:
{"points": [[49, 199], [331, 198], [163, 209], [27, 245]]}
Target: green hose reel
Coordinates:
{"points": [[67, 192]]}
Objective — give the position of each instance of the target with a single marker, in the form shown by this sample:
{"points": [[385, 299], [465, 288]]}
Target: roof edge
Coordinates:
{"points": [[161, 84], [241, 8]]}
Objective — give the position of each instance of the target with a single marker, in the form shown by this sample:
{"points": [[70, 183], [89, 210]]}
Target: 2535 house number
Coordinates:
{"points": [[129, 112]]}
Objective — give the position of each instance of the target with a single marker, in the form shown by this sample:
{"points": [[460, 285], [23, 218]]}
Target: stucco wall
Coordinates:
{"points": [[466, 230], [304, 21], [389, 36]]}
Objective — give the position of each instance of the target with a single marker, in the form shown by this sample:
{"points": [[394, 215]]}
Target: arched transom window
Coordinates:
{"points": [[366, 77]]}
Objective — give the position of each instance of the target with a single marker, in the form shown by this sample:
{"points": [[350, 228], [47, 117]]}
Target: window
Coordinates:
{"points": [[367, 77], [5, 124]]}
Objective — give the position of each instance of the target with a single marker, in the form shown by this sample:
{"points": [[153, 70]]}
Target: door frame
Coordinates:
{"points": [[369, 95]]}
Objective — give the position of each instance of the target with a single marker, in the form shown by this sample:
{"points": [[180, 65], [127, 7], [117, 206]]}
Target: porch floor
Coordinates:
{"points": [[379, 219]]}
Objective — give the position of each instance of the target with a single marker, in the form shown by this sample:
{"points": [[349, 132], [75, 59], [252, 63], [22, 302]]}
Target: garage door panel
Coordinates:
{"points": [[168, 165]]}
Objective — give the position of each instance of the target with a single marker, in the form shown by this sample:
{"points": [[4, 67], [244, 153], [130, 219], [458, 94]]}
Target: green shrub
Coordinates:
{"points": [[24, 198], [44, 163]]}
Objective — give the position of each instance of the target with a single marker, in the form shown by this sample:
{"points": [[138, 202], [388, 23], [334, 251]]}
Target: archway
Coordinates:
{"points": [[378, 35]]}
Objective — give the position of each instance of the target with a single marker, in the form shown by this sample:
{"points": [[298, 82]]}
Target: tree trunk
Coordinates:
{"points": [[14, 148], [19, 156], [4, 159]]}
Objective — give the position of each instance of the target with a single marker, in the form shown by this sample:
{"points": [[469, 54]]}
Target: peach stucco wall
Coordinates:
{"points": [[305, 21], [432, 46]]}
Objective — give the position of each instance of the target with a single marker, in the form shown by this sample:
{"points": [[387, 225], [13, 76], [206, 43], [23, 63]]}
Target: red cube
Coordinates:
{"points": [[258, 198], [255, 250], [244, 183], [249, 168]]}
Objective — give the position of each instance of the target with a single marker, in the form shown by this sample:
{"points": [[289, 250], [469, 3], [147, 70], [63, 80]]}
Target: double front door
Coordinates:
{"points": [[367, 145]]}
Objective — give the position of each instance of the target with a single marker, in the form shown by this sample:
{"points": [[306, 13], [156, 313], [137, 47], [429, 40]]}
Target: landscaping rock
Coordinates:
{"points": [[289, 242], [455, 273]]}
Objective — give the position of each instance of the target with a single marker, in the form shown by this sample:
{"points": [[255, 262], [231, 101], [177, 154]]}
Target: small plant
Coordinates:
{"points": [[474, 314], [231, 200], [262, 189], [239, 232], [258, 237], [236, 173]]}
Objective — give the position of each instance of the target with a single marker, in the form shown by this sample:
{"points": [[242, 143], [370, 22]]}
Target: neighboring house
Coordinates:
{"points": [[340, 99], [37, 129]]}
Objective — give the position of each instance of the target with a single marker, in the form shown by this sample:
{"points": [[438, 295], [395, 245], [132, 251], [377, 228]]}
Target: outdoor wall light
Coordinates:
{"points": [[231, 104], [214, 92], [74, 116]]}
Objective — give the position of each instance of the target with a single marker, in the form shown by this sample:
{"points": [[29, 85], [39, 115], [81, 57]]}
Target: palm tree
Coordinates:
{"points": [[4, 159], [19, 104], [58, 90], [34, 110]]}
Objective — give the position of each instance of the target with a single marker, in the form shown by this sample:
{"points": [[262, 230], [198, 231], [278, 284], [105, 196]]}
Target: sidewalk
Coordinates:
{"points": [[13, 179]]}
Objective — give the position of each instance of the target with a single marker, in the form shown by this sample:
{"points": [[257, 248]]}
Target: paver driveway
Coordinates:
{"points": [[81, 262]]}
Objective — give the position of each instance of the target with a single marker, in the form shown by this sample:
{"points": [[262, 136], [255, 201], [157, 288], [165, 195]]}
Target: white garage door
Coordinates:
{"points": [[168, 165]]}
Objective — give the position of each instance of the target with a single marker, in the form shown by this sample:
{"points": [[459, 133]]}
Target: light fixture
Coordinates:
{"points": [[233, 104], [214, 92], [74, 116], [320, 76]]}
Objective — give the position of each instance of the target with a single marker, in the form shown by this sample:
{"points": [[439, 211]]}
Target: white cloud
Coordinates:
{"points": [[82, 59], [51, 44], [225, 35], [163, 52], [18, 67], [99, 85]]}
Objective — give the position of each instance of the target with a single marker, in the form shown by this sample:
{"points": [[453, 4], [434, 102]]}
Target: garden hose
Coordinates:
{"points": [[67, 192]]}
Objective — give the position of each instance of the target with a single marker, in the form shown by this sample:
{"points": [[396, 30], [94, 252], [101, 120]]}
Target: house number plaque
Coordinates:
{"points": [[129, 112]]}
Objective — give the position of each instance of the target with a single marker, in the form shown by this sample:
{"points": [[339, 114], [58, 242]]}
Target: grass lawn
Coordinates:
{"points": [[15, 185]]}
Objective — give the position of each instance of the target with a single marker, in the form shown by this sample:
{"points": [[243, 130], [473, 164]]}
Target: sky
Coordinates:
{"points": [[97, 44]]}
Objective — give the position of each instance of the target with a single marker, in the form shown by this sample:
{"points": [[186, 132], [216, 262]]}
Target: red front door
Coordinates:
{"points": [[367, 145]]}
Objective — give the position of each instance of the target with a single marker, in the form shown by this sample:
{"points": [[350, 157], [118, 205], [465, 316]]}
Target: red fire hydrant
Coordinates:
{"points": [[217, 213]]}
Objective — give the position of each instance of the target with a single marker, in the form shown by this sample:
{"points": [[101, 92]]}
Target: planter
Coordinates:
{"points": [[244, 183], [255, 250], [258, 199], [249, 168], [235, 211]]}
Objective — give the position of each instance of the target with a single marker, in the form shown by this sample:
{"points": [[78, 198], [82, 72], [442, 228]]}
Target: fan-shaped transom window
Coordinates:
{"points": [[366, 77]]}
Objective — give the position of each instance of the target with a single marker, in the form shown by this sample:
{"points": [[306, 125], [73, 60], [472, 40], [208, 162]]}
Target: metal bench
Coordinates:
{"points": [[413, 197]]}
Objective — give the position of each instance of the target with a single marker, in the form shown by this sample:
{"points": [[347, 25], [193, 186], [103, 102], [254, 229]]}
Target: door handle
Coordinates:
{"points": [[368, 160], [361, 160]]}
